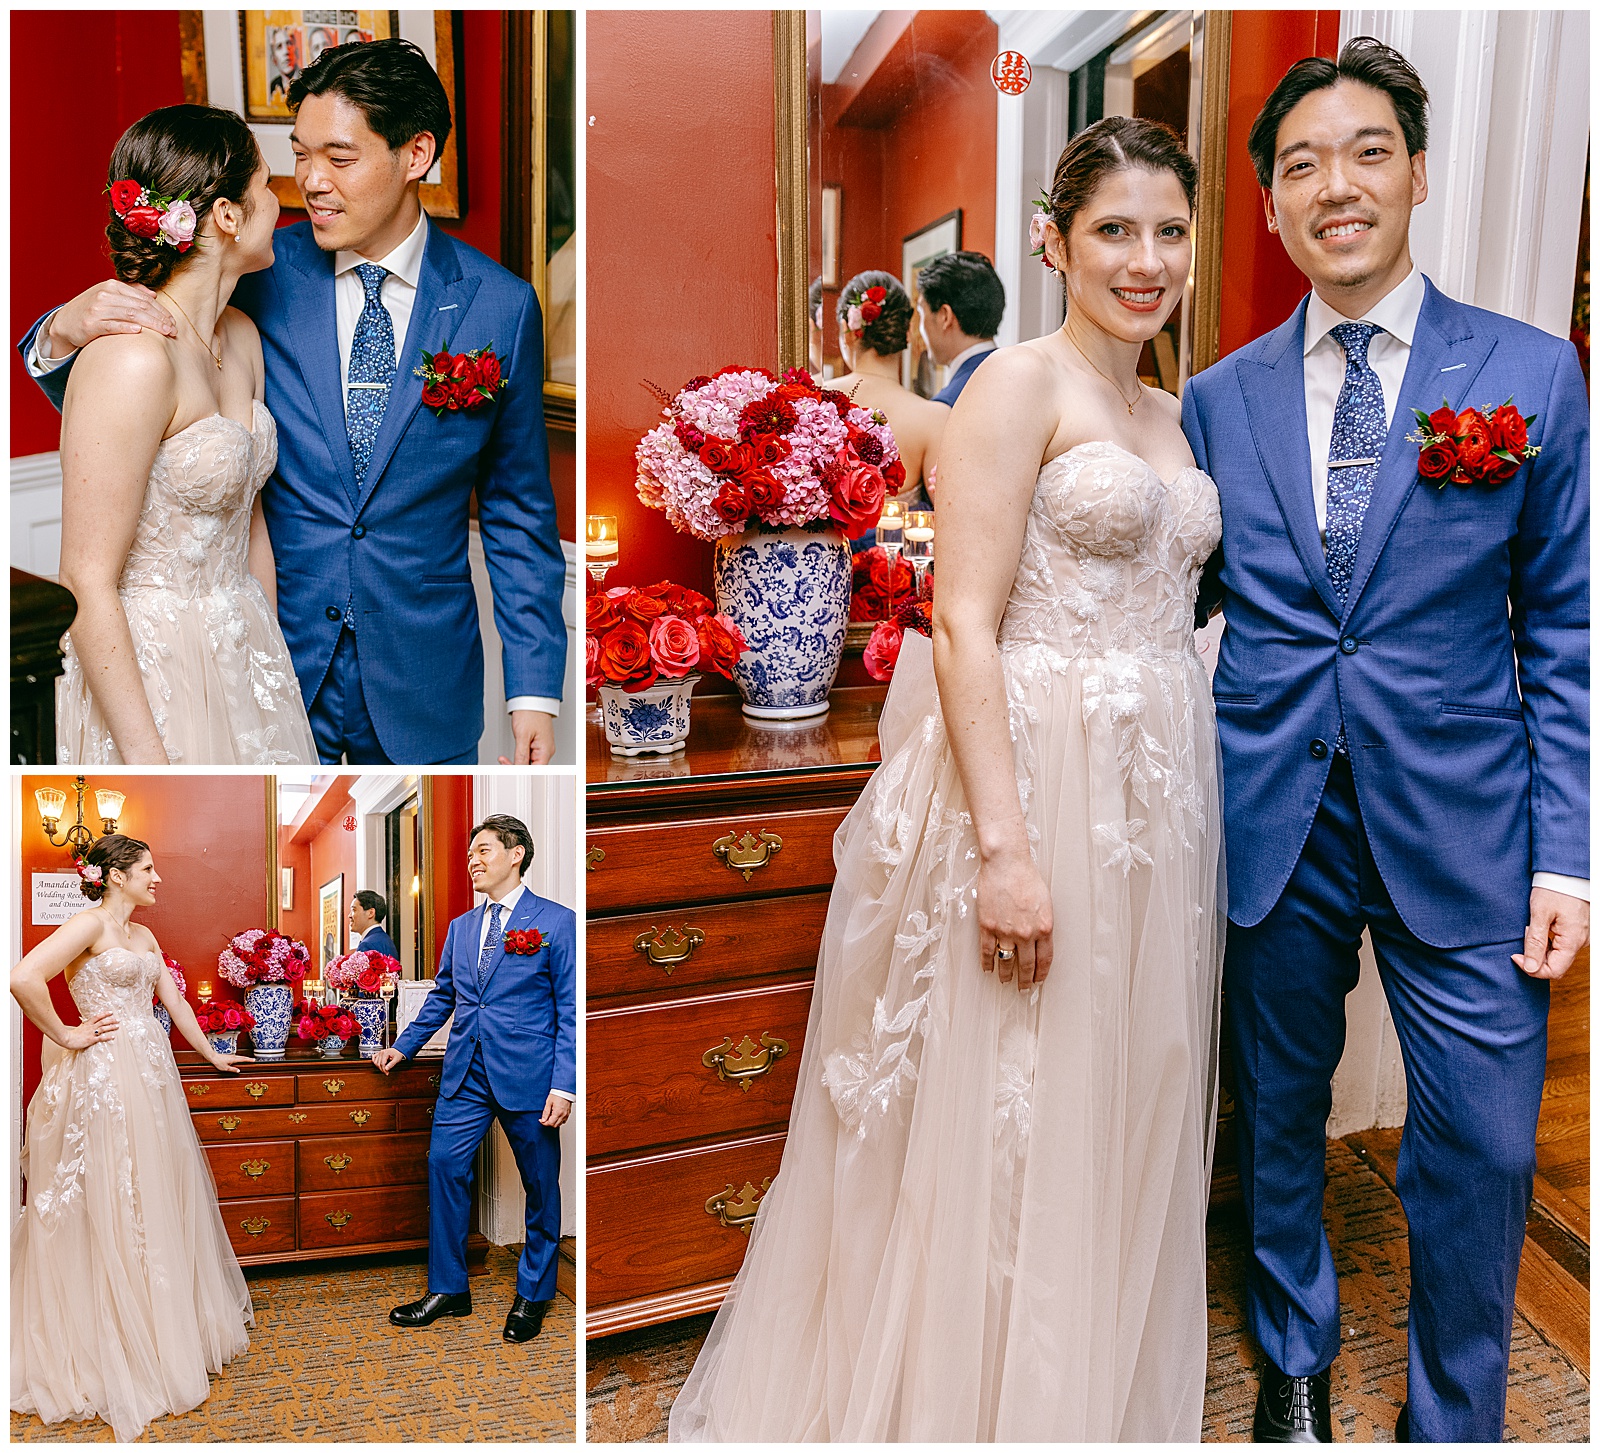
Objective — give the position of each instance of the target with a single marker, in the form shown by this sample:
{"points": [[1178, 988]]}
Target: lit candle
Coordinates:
{"points": [[204, 991], [919, 534], [600, 546]]}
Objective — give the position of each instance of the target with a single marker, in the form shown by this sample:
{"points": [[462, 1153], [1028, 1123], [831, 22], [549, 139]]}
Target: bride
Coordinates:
{"points": [[125, 1292], [176, 654], [990, 1217]]}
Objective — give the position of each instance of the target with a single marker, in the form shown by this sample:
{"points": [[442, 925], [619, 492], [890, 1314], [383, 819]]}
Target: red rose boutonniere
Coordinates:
{"points": [[1475, 446], [455, 381], [524, 941]]}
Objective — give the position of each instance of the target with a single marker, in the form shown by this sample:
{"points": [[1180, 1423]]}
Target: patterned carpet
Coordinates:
{"points": [[326, 1330], [633, 1377]]}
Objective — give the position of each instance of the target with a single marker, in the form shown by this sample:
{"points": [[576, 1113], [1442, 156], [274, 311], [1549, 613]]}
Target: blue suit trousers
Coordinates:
{"points": [[341, 724], [1472, 1035], [460, 1122]]}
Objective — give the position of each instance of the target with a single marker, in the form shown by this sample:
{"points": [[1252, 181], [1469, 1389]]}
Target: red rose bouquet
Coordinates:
{"points": [[263, 956], [318, 1021], [637, 634], [877, 588], [221, 1018], [360, 972], [883, 650], [454, 381], [1475, 446], [525, 941]]}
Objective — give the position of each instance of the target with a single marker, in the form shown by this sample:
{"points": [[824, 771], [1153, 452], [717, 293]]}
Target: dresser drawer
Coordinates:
{"points": [[413, 1115], [694, 947], [358, 1080], [331, 1219], [242, 1089], [679, 862], [296, 1121], [649, 1083], [363, 1160], [252, 1168], [260, 1228], [648, 1227]]}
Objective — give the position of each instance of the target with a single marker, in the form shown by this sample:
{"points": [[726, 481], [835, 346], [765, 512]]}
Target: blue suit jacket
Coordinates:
{"points": [[1460, 659], [397, 547], [958, 380], [524, 1016], [378, 941]]}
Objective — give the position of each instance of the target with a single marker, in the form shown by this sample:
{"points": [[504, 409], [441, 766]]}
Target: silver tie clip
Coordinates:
{"points": [[1332, 463], [446, 307], [366, 385], [1453, 367]]}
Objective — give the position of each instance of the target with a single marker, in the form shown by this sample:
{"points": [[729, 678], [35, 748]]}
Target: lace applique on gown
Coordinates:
{"points": [[216, 669], [990, 1217], [125, 1292]]}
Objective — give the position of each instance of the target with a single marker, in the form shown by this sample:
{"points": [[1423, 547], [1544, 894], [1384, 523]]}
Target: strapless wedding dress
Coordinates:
{"points": [[216, 670], [125, 1293], [990, 1217]]}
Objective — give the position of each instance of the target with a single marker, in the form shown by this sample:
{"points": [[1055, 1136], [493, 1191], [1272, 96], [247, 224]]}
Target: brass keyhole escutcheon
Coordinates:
{"points": [[199, 1089], [230, 1123], [337, 1163], [593, 858], [668, 947], [338, 1219], [255, 1169], [254, 1225], [255, 1089], [737, 1210], [361, 1116], [748, 1062], [333, 1086], [746, 854]]}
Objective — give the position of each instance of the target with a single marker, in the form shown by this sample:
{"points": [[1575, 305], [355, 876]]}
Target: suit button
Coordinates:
{"points": [[359, 533], [333, 613], [1349, 645], [1319, 748]]}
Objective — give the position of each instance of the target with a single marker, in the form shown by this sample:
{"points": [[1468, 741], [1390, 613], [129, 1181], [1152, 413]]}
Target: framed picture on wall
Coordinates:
{"points": [[286, 890], [246, 60], [330, 922], [922, 374], [832, 199]]}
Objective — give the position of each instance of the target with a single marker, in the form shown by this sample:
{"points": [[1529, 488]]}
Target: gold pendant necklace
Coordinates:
{"points": [[1106, 376], [217, 357]]}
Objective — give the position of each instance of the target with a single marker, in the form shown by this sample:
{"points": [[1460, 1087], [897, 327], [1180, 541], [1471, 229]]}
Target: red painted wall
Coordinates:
{"points": [[208, 837], [682, 247], [452, 822], [1260, 286]]}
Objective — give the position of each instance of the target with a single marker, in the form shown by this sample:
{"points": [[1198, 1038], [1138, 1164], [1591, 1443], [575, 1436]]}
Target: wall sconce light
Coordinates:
{"points": [[52, 802]]}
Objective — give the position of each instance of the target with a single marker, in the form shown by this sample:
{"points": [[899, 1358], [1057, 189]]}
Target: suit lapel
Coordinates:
{"points": [[1274, 388], [1446, 358], [316, 351], [521, 917], [443, 298]]}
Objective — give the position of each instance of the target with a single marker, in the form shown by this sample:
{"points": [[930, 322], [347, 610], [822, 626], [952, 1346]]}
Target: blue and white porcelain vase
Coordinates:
{"points": [[331, 1047], [272, 1005], [788, 591], [224, 1041], [372, 1015], [653, 720], [163, 1018]]}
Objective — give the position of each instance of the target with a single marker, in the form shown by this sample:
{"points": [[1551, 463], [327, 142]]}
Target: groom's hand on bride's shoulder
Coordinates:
{"points": [[1558, 927], [108, 307], [535, 734], [387, 1059]]}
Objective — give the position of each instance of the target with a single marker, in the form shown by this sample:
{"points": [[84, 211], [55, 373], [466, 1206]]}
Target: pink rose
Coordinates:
{"points": [[883, 650], [1036, 229], [674, 646], [855, 496], [178, 222], [232, 1018], [591, 659], [852, 318]]}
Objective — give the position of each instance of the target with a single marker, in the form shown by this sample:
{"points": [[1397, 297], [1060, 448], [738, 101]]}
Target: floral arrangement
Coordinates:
{"points": [[864, 309], [876, 585], [1476, 446], [452, 381], [1042, 209], [176, 970], [90, 872], [263, 956], [160, 219], [360, 972], [526, 941], [637, 633], [318, 1021], [744, 445], [883, 650], [219, 1018]]}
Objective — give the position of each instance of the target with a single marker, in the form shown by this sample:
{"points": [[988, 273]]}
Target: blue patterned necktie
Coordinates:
{"points": [[1359, 432], [491, 944], [372, 369]]}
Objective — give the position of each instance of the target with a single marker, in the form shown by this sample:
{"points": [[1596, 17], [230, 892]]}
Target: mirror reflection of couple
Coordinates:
{"points": [[990, 1217], [125, 1291], [264, 522]]}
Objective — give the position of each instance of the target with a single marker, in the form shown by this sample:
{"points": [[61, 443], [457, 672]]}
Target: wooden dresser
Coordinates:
{"points": [[318, 1157], [708, 877]]}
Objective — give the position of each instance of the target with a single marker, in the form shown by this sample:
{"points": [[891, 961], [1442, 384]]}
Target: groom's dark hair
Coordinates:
{"points": [[1363, 59], [374, 904], [388, 81], [511, 832]]}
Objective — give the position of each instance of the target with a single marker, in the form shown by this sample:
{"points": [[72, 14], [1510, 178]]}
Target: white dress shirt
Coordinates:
{"points": [[987, 345], [508, 905], [1389, 352]]}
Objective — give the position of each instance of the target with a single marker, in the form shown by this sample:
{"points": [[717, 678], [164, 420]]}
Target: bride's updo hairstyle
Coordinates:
{"points": [[1117, 143], [202, 150], [114, 850], [887, 333]]}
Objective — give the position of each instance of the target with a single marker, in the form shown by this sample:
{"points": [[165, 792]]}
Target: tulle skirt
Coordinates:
{"points": [[990, 1218]]}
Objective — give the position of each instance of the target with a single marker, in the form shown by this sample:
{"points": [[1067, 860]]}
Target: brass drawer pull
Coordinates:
{"points": [[255, 1089], [668, 947], [593, 857], [746, 1064], [199, 1089], [738, 1211], [337, 1163], [254, 1225], [338, 1219], [230, 1123], [433, 1082], [361, 1116], [333, 1086], [746, 854], [297, 1117], [255, 1169]]}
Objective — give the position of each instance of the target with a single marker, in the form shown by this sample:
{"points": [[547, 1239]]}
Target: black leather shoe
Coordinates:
{"points": [[1292, 1409], [426, 1310], [524, 1320], [1402, 1426]]}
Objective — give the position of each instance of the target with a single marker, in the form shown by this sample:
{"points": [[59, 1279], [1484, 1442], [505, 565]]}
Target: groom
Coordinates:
{"points": [[368, 508], [508, 974], [1402, 697]]}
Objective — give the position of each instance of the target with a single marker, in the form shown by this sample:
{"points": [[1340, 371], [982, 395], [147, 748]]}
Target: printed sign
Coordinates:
{"points": [[56, 897], [1010, 73]]}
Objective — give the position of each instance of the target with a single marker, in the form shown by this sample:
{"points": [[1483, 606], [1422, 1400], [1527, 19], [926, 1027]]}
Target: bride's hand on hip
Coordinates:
{"points": [[1015, 919], [99, 1030]]}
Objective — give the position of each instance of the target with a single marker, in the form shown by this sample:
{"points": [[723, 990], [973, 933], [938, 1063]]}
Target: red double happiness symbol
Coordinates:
{"points": [[1010, 72]]}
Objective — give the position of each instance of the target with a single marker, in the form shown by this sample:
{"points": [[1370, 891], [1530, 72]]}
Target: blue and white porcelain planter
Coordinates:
{"points": [[225, 1041], [331, 1047], [653, 720], [373, 1016], [272, 1005], [162, 1018], [788, 591]]}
